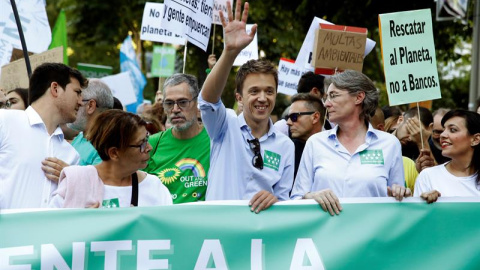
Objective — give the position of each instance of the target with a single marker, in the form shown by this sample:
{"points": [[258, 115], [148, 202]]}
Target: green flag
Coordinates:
{"points": [[59, 35]]}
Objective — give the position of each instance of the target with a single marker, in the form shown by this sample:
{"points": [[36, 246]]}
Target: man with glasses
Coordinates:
{"points": [[97, 97], [181, 155], [33, 150], [250, 159], [304, 120]]}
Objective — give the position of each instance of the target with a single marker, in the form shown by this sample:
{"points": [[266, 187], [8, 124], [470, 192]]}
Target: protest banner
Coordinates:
{"points": [[377, 233], [288, 76], [122, 87], [189, 18], [338, 47], [163, 61], [15, 75], [409, 60], [250, 52], [94, 71], [152, 26], [304, 57], [217, 6]]}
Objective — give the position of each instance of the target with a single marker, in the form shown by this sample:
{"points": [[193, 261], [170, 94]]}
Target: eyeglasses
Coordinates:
{"points": [[143, 145], [331, 96], [182, 103], [294, 116], [257, 160], [5, 105]]}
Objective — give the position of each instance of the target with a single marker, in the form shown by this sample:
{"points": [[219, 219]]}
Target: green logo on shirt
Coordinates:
{"points": [[272, 160], [112, 203], [371, 157]]}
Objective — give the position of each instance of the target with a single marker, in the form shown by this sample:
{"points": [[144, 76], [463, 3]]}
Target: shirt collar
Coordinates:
{"points": [[243, 125], [370, 136], [35, 119]]}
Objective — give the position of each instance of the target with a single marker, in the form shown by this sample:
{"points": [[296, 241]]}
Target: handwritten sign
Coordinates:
{"points": [[288, 76], [338, 47], [217, 6], [305, 56], [15, 74], [189, 18], [408, 53], [250, 52], [152, 26]]}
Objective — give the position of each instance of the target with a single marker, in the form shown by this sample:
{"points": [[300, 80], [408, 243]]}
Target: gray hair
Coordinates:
{"points": [[100, 92], [355, 82], [179, 78]]}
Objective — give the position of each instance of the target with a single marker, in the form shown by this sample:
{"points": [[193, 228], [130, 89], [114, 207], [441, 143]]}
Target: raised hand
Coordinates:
{"points": [[236, 37]]}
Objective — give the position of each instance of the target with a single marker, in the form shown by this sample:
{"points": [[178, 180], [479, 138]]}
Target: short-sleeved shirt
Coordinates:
{"points": [[24, 144], [232, 175], [326, 163], [88, 153]]}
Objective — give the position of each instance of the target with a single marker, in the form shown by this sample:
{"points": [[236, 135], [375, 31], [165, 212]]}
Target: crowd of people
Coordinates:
{"points": [[73, 146]]}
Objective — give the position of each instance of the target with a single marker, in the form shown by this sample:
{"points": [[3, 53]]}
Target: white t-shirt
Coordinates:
{"points": [[440, 179]]}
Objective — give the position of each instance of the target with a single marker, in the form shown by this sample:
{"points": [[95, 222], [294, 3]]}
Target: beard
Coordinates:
{"points": [[80, 122]]}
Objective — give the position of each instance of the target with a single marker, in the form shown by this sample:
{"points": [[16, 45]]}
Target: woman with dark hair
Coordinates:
{"points": [[352, 159], [121, 139], [18, 98], [459, 177]]}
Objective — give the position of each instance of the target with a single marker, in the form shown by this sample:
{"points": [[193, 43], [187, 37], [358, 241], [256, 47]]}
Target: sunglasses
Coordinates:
{"points": [[294, 116], [257, 160], [143, 145]]}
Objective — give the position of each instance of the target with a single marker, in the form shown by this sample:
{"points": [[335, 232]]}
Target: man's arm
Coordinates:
{"points": [[236, 39]]}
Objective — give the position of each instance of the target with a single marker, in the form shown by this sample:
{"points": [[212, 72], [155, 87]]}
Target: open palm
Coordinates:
{"points": [[236, 37]]}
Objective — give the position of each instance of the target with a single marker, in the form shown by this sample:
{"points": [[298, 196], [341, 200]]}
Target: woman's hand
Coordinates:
{"points": [[399, 192], [327, 200], [431, 196]]}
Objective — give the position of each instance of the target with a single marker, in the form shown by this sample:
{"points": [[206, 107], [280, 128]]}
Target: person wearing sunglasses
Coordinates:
{"points": [[121, 140], [304, 120], [181, 155], [250, 159], [352, 159], [97, 97]]}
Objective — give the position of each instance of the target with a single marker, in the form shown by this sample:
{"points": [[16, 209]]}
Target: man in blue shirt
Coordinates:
{"points": [[249, 159]]}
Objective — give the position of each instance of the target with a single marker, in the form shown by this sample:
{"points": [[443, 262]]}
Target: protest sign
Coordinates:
{"points": [[378, 233], [15, 75], [163, 61], [152, 26], [189, 18], [304, 57], [288, 76], [217, 6], [250, 52], [122, 87], [94, 71], [408, 53], [338, 47]]}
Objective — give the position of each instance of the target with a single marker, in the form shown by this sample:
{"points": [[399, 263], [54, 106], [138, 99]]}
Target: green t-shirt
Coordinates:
{"points": [[181, 165]]}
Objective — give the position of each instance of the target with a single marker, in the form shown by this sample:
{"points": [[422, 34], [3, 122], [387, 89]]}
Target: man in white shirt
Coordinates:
{"points": [[32, 147]]}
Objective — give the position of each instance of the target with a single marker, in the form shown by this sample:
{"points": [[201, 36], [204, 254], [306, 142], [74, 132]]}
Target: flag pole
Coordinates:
{"points": [[22, 38], [185, 56]]}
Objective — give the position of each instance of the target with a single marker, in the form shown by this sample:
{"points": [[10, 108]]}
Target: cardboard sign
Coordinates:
{"points": [[122, 87], [408, 53], [338, 47], [163, 61], [250, 52], [94, 71], [15, 74], [217, 6], [152, 26], [304, 58], [288, 76], [189, 18]]}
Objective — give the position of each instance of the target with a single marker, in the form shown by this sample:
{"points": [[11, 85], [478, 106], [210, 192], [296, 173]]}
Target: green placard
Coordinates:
{"points": [[409, 58], [94, 71], [163, 62]]}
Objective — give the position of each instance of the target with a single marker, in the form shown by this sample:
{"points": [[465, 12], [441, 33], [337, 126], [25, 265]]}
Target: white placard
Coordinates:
{"points": [[288, 76], [217, 6], [304, 57], [152, 26], [190, 18], [250, 52], [122, 88]]}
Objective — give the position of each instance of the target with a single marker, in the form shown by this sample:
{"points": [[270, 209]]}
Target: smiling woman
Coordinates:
{"points": [[121, 140], [460, 177]]}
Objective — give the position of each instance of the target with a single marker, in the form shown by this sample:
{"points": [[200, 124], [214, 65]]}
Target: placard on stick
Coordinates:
{"points": [[338, 47], [15, 75]]}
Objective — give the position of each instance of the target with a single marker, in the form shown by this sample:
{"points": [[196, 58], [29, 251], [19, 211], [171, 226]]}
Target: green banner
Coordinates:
{"points": [[407, 235], [94, 71], [163, 61]]}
